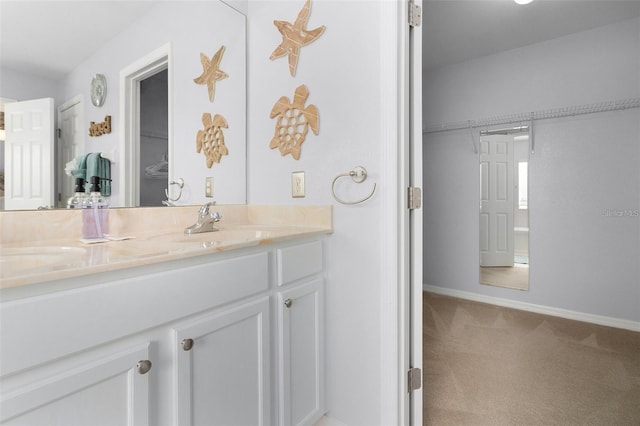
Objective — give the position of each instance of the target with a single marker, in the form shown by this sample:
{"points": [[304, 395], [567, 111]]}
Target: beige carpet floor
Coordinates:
{"points": [[489, 365]]}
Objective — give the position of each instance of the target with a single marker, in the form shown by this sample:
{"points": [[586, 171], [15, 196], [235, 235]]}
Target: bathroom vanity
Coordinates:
{"points": [[222, 329]]}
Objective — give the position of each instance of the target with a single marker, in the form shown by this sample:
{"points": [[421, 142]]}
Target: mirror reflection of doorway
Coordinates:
{"points": [[70, 145], [504, 207], [131, 77], [154, 118]]}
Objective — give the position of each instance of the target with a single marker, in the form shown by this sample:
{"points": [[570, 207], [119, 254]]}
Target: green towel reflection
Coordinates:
{"points": [[93, 164]]}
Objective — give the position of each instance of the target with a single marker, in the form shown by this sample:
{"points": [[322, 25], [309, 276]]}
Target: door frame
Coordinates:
{"points": [[401, 133], [415, 231], [130, 77], [410, 234]]}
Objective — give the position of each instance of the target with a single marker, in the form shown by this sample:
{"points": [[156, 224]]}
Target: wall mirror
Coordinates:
{"points": [[504, 207], [129, 32]]}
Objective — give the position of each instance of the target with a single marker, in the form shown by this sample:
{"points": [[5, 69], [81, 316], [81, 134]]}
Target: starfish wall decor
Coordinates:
{"points": [[211, 72], [293, 122], [211, 139], [295, 36]]}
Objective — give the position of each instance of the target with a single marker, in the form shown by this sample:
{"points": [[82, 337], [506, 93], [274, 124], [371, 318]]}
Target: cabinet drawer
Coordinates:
{"points": [[300, 261], [54, 325]]}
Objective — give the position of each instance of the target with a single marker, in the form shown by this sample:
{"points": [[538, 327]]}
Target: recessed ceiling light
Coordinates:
{"points": [[523, 1]]}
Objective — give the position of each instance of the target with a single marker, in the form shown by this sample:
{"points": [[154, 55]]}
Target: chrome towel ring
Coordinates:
{"points": [[180, 184], [358, 175]]}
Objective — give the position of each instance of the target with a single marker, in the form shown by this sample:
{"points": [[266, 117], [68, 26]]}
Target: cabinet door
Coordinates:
{"points": [[108, 390], [222, 368], [301, 354]]}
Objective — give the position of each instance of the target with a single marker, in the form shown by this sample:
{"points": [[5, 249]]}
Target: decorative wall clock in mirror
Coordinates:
{"points": [[98, 90]]}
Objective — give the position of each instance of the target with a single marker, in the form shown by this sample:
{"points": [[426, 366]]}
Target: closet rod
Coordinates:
{"points": [[154, 135], [537, 115]]}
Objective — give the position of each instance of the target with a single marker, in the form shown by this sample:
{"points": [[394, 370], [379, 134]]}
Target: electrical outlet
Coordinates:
{"points": [[208, 187], [297, 184]]}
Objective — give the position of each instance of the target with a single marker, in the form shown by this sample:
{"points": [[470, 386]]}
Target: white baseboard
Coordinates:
{"points": [[540, 309]]}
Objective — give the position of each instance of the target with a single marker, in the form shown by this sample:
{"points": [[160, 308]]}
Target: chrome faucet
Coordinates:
{"points": [[206, 220]]}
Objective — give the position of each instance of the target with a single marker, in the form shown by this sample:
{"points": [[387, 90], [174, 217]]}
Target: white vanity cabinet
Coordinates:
{"points": [[300, 308], [178, 343]]}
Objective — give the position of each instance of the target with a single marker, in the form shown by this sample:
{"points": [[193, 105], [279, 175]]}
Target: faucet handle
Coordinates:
{"points": [[204, 210]]}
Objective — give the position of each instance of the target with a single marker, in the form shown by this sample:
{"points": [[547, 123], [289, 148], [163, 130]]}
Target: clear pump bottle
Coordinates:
{"points": [[77, 200], [95, 220]]}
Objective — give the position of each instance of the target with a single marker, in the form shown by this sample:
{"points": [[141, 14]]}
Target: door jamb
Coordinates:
{"points": [[410, 221]]}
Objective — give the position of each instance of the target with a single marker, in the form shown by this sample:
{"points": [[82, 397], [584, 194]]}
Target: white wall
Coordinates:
{"points": [[24, 87], [342, 72], [581, 258]]}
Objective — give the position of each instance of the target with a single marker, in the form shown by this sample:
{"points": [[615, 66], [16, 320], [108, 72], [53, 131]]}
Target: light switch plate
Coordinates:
{"points": [[297, 184], [208, 187]]}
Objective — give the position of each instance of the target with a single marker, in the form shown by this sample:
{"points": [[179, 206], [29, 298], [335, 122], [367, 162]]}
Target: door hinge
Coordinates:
{"points": [[414, 379], [415, 14], [59, 132], [414, 198]]}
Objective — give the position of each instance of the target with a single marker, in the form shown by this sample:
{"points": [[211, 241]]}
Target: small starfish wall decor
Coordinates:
{"points": [[211, 138], [293, 122], [211, 72], [295, 36]]}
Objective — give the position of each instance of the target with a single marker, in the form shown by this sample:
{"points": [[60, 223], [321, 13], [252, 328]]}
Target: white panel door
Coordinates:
{"points": [[496, 200], [223, 378], [301, 354], [70, 144], [102, 391], [29, 154]]}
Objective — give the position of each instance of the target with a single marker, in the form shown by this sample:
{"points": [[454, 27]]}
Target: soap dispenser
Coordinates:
{"points": [[77, 200], [95, 221]]}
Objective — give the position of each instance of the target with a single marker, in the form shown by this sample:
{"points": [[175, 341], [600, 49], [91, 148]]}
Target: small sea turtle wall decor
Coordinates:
{"points": [[211, 72], [293, 122], [295, 36], [211, 138]]}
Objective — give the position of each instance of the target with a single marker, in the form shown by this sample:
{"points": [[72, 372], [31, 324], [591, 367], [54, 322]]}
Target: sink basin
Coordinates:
{"points": [[17, 259]]}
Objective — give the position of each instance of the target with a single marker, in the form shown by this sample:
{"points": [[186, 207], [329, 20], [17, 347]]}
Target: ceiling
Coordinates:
{"points": [[459, 30], [33, 34]]}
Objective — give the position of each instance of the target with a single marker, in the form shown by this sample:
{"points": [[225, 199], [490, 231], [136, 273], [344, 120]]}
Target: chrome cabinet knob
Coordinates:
{"points": [[143, 366], [187, 344], [288, 303]]}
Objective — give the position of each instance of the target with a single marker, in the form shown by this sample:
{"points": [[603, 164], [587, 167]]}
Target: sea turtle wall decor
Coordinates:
{"points": [[293, 122], [211, 138]]}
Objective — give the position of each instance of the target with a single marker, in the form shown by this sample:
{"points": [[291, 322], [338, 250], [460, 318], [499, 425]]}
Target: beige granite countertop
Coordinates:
{"points": [[41, 246]]}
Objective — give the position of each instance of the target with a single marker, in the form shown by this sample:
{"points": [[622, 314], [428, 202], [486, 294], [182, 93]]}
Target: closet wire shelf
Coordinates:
{"points": [[536, 115]]}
